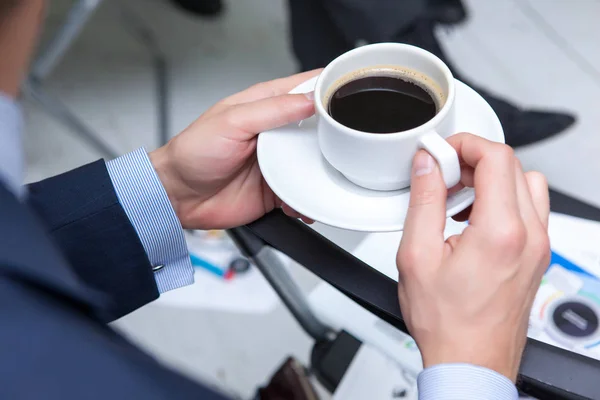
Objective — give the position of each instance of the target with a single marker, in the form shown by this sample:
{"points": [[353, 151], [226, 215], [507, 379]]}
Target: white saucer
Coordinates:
{"points": [[292, 164]]}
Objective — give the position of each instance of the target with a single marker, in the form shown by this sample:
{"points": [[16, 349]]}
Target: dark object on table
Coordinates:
{"points": [[330, 359], [290, 382], [239, 265], [204, 8]]}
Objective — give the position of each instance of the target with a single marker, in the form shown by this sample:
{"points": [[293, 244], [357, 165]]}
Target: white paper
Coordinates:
{"points": [[247, 292]]}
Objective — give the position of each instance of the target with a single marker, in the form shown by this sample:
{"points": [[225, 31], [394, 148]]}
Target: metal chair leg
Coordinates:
{"points": [[61, 42], [142, 32], [269, 264], [77, 18], [54, 107]]}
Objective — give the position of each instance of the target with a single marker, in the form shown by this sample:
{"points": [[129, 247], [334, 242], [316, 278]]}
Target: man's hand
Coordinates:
{"points": [[468, 299], [210, 170]]}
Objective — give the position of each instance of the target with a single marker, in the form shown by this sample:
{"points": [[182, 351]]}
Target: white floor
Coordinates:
{"points": [[540, 53]]}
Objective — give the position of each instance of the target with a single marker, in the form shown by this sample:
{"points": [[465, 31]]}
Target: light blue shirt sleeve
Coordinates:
{"points": [[11, 149], [147, 205], [464, 382]]}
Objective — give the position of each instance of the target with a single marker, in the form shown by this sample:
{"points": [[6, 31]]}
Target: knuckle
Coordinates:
{"points": [[230, 117], [518, 165], [405, 259], [265, 88], [510, 237], [424, 197], [219, 106], [537, 178], [504, 152], [256, 87], [409, 258], [540, 246], [221, 103], [460, 137], [289, 107], [285, 102]]}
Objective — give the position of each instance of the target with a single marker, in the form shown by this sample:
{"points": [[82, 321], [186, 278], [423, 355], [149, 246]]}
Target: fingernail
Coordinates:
{"points": [[310, 95], [423, 164]]}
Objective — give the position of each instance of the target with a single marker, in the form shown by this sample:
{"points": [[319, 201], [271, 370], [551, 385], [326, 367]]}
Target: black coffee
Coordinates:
{"points": [[381, 104]]}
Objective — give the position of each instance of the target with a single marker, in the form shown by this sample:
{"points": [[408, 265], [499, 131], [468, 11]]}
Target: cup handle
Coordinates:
{"points": [[444, 154]]}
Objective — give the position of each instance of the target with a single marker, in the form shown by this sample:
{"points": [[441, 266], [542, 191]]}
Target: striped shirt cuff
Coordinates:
{"points": [[464, 382], [147, 206]]}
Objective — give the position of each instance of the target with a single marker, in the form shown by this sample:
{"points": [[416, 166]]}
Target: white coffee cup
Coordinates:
{"points": [[384, 161]]}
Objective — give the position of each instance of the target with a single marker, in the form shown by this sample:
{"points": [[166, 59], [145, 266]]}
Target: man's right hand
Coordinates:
{"points": [[467, 299]]}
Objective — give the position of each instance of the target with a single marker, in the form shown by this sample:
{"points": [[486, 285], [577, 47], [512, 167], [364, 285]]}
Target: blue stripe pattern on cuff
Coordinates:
{"points": [[147, 206], [464, 382]]}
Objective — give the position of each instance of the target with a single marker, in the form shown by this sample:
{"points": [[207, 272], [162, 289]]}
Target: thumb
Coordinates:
{"points": [[426, 217], [270, 113]]}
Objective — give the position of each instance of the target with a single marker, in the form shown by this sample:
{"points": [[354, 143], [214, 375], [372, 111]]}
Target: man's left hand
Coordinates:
{"points": [[210, 170]]}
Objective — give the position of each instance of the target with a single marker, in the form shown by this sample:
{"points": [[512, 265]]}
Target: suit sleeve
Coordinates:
{"points": [[51, 350], [53, 341], [82, 214]]}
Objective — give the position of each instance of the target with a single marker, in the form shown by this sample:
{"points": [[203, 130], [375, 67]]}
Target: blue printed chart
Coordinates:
{"points": [[566, 311]]}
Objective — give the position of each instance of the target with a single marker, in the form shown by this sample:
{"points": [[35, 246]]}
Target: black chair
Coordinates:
{"points": [[547, 372]]}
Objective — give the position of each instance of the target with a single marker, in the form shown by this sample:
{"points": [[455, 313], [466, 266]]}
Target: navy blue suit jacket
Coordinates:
{"points": [[70, 261]]}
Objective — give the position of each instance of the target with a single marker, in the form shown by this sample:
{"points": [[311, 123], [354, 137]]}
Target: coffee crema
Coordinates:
{"points": [[384, 100]]}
